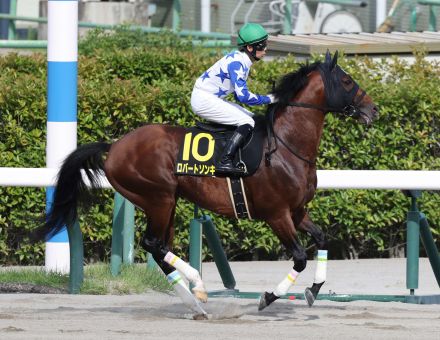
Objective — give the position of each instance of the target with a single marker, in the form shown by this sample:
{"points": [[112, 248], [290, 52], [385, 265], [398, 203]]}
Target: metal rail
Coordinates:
{"points": [[183, 33]]}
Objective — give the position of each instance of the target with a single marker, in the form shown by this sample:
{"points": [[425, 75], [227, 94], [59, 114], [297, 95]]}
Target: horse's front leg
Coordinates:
{"points": [[190, 273], [306, 225], [284, 228], [166, 259], [172, 266]]}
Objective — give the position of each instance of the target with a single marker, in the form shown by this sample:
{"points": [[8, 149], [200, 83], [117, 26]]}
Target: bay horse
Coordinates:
{"points": [[141, 166]]}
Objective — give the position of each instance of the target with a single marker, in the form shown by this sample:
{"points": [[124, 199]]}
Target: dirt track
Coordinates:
{"points": [[161, 316]]}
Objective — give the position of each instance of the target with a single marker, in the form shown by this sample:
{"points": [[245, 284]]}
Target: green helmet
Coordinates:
{"points": [[250, 34]]}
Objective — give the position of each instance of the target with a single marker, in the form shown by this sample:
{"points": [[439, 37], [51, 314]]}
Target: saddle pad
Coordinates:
{"points": [[201, 148]]}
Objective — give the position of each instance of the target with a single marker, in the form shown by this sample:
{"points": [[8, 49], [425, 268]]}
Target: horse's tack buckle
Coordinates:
{"points": [[242, 166], [351, 111]]}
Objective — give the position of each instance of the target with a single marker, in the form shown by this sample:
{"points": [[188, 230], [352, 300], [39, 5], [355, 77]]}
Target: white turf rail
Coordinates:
{"points": [[327, 179], [379, 179], [36, 177]]}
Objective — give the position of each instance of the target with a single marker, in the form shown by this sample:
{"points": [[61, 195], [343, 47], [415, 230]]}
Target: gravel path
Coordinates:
{"points": [[161, 316]]}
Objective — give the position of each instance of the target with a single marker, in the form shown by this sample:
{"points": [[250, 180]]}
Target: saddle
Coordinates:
{"points": [[203, 144]]}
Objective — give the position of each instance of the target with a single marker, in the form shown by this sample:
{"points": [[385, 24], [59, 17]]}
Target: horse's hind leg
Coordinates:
{"points": [[306, 225], [284, 228]]}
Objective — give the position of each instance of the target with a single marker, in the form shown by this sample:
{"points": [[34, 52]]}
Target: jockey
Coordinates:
{"points": [[229, 75]]}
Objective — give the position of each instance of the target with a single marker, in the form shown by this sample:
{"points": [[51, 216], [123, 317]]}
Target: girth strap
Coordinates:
{"points": [[238, 198]]}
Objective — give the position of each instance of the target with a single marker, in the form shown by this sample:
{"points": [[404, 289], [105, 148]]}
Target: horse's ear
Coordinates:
{"points": [[328, 57], [334, 61]]}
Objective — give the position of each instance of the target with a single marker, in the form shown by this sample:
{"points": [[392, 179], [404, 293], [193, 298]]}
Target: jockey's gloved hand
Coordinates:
{"points": [[272, 98]]}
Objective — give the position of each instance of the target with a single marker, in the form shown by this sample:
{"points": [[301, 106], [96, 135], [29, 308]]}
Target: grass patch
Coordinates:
{"points": [[35, 276], [98, 280], [133, 279]]}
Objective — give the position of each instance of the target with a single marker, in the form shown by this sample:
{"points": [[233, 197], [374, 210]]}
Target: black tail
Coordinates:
{"points": [[71, 189]]}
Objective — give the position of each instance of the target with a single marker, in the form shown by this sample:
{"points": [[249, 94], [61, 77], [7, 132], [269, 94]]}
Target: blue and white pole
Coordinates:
{"points": [[62, 70]]}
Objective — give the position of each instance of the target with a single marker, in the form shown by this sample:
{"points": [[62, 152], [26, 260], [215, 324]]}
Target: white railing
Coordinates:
{"points": [[35, 177], [379, 179], [327, 179]]}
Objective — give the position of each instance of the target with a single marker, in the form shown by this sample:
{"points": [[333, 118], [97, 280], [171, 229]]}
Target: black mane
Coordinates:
{"points": [[293, 82]]}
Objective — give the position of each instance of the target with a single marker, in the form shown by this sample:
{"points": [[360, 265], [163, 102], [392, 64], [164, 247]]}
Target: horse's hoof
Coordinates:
{"points": [[310, 298], [266, 299], [201, 295], [262, 304], [200, 316]]}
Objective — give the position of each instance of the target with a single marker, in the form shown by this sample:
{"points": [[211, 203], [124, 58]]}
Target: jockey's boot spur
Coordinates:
{"points": [[226, 164]]}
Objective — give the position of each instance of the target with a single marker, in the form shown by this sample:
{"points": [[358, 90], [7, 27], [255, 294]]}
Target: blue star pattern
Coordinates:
{"points": [[239, 71], [220, 92], [238, 79], [246, 71], [232, 54], [222, 75], [231, 73], [205, 75]]}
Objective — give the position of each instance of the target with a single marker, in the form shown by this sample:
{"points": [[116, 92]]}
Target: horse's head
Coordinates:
{"points": [[343, 94]]}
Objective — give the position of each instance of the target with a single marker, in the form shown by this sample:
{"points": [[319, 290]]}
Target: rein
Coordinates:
{"points": [[312, 106], [272, 135], [295, 153], [349, 111]]}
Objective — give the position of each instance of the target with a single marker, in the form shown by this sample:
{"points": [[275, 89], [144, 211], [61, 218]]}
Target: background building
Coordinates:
{"points": [[308, 16]]}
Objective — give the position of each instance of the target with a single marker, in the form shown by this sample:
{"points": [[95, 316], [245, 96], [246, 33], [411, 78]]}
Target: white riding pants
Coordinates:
{"points": [[218, 110]]}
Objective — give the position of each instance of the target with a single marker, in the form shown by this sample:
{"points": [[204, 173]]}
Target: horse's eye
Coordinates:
{"points": [[346, 81]]}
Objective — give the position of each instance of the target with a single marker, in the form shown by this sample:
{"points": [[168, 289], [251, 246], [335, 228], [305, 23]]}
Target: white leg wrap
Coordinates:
{"points": [[321, 267], [283, 286], [189, 272], [182, 290]]}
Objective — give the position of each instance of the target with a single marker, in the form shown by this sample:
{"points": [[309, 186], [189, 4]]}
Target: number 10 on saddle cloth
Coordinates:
{"points": [[201, 148], [197, 154]]}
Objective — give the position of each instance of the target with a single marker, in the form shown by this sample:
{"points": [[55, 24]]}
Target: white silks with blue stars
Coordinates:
{"points": [[226, 76]]}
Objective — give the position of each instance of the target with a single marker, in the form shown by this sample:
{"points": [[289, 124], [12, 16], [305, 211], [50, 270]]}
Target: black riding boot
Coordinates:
{"points": [[226, 164]]}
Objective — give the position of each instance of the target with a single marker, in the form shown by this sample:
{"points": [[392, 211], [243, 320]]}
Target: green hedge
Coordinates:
{"points": [[120, 89]]}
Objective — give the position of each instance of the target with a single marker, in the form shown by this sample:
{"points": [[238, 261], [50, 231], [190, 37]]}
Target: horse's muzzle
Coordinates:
{"points": [[368, 114]]}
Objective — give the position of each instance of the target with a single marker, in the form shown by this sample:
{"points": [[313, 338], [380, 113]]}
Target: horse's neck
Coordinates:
{"points": [[301, 128]]}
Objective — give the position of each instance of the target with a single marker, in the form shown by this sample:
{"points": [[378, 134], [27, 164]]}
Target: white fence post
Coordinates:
{"points": [[62, 69]]}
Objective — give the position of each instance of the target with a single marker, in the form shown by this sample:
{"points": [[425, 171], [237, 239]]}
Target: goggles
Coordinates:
{"points": [[261, 46]]}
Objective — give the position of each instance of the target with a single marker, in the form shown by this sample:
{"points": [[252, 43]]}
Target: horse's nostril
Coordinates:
{"points": [[376, 111]]}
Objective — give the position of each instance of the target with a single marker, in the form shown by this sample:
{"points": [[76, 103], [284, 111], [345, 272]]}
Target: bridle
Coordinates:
{"points": [[350, 110]]}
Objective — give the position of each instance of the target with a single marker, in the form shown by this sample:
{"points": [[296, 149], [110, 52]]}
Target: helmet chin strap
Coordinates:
{"points": [[252, 54]]}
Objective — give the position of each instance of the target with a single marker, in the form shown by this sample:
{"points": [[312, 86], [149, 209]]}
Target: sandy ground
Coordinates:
{"points": [[162, 316]]}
